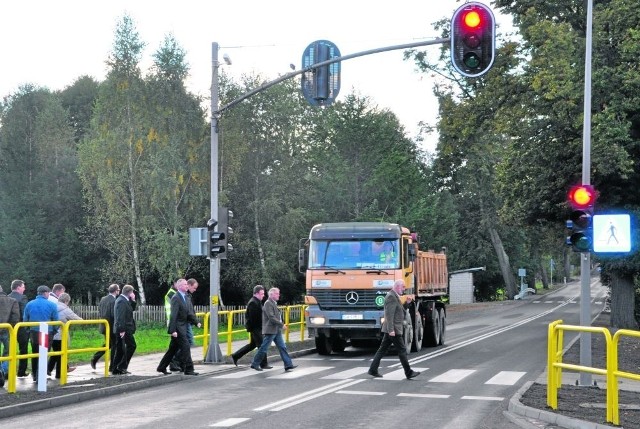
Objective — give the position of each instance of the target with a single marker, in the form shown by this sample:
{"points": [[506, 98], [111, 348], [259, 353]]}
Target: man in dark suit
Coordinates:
{"points": [[124, 327], [17, 292], [253, 324], [392, 329], [180, 318], [105, 308]]}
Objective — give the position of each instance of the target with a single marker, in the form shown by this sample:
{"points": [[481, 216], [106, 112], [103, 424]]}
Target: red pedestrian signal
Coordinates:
{"points": [[582, 199], [473, 39]]}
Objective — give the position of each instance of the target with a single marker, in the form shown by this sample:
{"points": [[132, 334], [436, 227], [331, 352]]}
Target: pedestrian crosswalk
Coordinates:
{"points": [[454, 375]]}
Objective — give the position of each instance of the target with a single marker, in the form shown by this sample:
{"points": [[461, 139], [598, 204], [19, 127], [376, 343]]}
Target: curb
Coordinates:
{"points": [[528, 417]]}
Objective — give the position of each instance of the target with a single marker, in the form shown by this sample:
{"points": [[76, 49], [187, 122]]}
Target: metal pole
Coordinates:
{"points": [[585, 260], [214, 355]]}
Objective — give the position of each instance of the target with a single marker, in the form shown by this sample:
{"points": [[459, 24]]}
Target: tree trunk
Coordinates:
{"points": [[623, 300], [134, 226], [503, 261], [256, 226]]}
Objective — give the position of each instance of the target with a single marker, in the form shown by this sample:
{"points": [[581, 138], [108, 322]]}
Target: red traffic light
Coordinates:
{"points": [[582, 196], [472, 39]]}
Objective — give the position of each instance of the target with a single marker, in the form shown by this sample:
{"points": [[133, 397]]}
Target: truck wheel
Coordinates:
{"points": [[323, 345], [432, 329], [338, 345], [418, 332], [442, 315], [407, 334]]}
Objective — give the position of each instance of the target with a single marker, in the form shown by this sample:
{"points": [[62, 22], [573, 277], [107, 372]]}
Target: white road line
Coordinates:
{"points": [[300, 372], [398, 374], [360, 392], [349, 359], [246, 373], [227, 423], [290, 403], [350, 373], [483, 398], [506, 378], [424, 395], [452, 376], [337, 385]]}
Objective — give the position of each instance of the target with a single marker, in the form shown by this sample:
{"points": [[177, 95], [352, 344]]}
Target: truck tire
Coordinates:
{"points": [[407, 334], [418, 332], [323, 345], [431, 329], [338, 344], [442, 315]]}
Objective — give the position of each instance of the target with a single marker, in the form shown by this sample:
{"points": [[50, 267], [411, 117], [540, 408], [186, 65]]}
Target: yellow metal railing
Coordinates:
{"points": [[611, 372]]}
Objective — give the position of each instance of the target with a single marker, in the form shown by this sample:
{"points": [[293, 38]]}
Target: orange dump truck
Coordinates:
{"points": [[349, 269]]}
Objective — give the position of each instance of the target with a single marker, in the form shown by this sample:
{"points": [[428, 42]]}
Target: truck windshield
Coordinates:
{"points": [[354, 254]]}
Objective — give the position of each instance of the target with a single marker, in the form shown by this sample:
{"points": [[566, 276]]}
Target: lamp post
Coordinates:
{"points": [[214, 355]]}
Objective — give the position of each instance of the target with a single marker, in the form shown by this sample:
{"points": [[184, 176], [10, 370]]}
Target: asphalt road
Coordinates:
{"points": [[466, 384]]}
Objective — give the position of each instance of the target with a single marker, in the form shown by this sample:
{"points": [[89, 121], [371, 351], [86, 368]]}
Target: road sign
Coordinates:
{"points": [[321, 85], [611, 233]]}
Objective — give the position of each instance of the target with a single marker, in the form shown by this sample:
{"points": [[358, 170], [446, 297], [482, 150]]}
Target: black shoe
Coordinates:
{"points": [[163, 371], [191, 373], [289, 368], [93, 364], [116, 372], [235, 360], [175, 368], [266, 367], [374, 374], [413, 374], [26, 374], [1, 378], [257, 368]]}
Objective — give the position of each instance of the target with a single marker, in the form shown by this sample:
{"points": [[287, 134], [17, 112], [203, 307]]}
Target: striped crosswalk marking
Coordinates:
{"points": [[247, 373], [452, 376], [506, 378], [350, 373], [398, 374], [227, 423], [300, 372]]}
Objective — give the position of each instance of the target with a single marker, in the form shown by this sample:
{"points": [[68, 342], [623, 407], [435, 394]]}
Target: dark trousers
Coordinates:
{"points": [[125, 347], [398, 342], [35, 348], [54, 361], [256, 339], [113, 341], [23, 349], [178, 345]]}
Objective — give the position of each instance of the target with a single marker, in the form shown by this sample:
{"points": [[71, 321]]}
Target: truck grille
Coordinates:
{"points": [[337, 299]]}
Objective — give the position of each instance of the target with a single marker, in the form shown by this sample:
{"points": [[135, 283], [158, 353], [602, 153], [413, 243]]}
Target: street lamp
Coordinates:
{"points": [[214, 355]]}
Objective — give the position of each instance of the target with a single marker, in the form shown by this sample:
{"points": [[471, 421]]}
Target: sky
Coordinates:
{"points": [[52, 43]]}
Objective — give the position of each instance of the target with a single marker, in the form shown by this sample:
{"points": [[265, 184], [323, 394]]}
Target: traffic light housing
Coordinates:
{"points": [[473, 39], [217, 238], [582, 199], [224, 214]]}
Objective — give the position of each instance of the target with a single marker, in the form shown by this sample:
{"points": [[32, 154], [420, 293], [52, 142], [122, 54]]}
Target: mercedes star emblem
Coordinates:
{"points": [[352, 297]]}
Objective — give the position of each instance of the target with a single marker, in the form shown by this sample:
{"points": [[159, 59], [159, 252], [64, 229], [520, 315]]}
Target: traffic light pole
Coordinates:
{"points": [[585, 259], [214, 354]]}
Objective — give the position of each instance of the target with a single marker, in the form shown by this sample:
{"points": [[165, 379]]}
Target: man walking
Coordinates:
{"points": [[180, 318], [105, 309], [17, 292], [272, 327], [9, 313], [124, 327], [392, 329], [253, 323], [39, 309]]}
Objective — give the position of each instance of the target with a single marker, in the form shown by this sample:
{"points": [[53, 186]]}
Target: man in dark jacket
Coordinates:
{"points": [[105, 308], [9, 313], [392, 330], [253, 324], [180, 318], [17, 292], [124, 326]]}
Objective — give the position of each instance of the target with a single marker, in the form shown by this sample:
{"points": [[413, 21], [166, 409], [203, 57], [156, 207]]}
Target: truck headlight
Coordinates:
{"points": [[316, 320]]}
